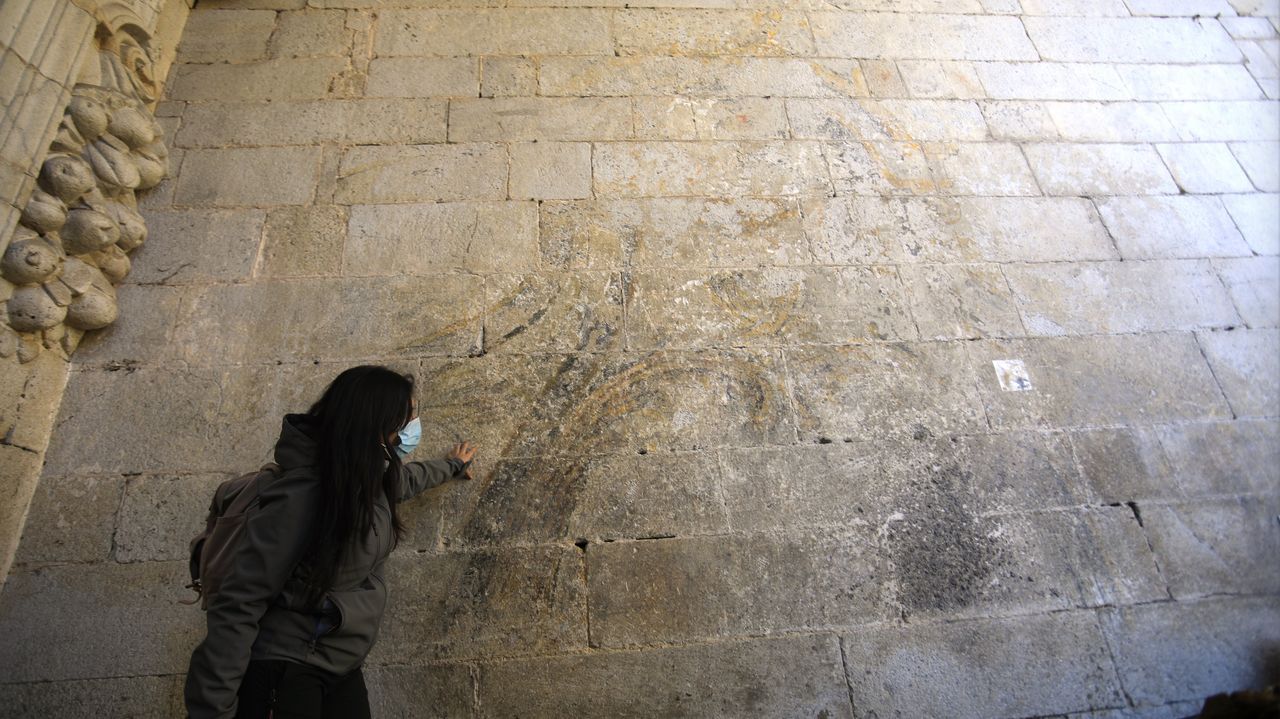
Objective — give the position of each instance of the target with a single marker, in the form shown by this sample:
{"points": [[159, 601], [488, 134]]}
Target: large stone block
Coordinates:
{"points": [[672, 232], [988, 168], [451, 32], [1123, 40], [880, 168], [508, 602], [700, 77], [1246, 364], [792, 676], [1257, 217], [1190, 650], [553, 312], [961, 301], [29, 397], [1189, 82], [1254, 284], [226, 35], [416, 173], [1261, 161], [1223, 458], [1099, 169], [686, 588], [694, 118], [1224, 121], [431, 691], [940, 79], [442, 237], [311, 33], [160, 514], [770, 307], [304, 241], [929, 37], [984, 669], [135, 697], [516, 119], [1099, 380], [878, 390], [718, 169], [1120, 297], [281, 79], [248, 177], [711, 32], [1183, 226], [575, 498], [1111, 122], [142, 332], [1217, 547], [1051, 81], [862, 230], [550, 170], [71, 519], [901, 120], [122, 619], [352, 122], [1204, 167], [423, 77], [415, 316], [197, 246]]}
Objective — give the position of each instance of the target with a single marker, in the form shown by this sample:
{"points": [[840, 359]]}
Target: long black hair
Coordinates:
{"points": [[351, 422]]}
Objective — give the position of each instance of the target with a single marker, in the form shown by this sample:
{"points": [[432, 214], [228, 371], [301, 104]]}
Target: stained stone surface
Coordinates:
{"points": [[720, 289]]}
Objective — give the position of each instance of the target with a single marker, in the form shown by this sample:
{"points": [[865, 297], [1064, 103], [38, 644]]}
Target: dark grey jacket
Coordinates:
{"points": [[259, 611]]}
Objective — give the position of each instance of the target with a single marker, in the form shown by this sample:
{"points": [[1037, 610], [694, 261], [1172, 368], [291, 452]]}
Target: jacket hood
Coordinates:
{"points": [[297, 445]]}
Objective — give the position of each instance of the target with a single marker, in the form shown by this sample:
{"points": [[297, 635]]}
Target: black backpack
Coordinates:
{"points": [[213, 549]]}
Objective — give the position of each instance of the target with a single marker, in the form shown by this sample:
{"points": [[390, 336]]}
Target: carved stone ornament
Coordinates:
{"points": [[71, 247]]}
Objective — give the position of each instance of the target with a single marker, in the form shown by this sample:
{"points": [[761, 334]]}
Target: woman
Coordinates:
{"points": [[289, 629]]}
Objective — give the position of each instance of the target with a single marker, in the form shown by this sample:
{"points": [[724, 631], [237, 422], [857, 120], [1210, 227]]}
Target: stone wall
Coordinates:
{"points": [[80, 81], [857, 358]]}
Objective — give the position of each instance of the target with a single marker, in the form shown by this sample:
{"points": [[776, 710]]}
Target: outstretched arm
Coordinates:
{"points": [[418, 476]]}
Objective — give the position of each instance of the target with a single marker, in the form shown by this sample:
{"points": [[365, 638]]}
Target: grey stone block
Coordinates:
{"points": [[1217, 547], [433, 238], [550, 171], [711, 32], [122, 619], [423, 77], [159, 515], [1190, 650], [1160, 227], [226, 35], [961, 301], [1123, 40], [939, 37], [793, 676], [690, 118], [311, 33], [1099, 380], [984, 668], [197, 246], [661, 232], [1246, 364], [665, 169], [882, 120], [140, 334], [553, 312], [302, 241], [275, 80], [991, 169], [434, 691], [700, 77], [71, 519], [1120, 297], [414, 316], [1124, 464], [1189, 82], [1258, 218], [511, 602], [879, 390], [1099, 169], [686, 588], [158, 697], [603, 497], [1254, 284], [248, 177], [378, 174], [356, 122], [732, 308], [525, 119], [452, 32], [1052, 81], [1224, 121]]}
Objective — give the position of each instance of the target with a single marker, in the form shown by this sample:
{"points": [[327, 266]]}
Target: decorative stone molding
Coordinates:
{"points": [[71, 247]]}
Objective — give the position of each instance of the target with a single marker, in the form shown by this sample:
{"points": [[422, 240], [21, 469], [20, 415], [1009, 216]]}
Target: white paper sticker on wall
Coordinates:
{"points": [[1012, 375]]}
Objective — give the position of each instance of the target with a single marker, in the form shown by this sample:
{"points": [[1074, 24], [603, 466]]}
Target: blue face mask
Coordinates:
{"points": [[409, 438]]}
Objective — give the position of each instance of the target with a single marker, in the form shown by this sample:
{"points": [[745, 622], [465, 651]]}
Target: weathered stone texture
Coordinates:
{"points": [[1246, 364], [946, 669], [1186, 650], [800, 676]]}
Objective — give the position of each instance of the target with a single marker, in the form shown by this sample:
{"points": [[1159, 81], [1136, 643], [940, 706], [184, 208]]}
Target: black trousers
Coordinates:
{"points": [[288, 690]]}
